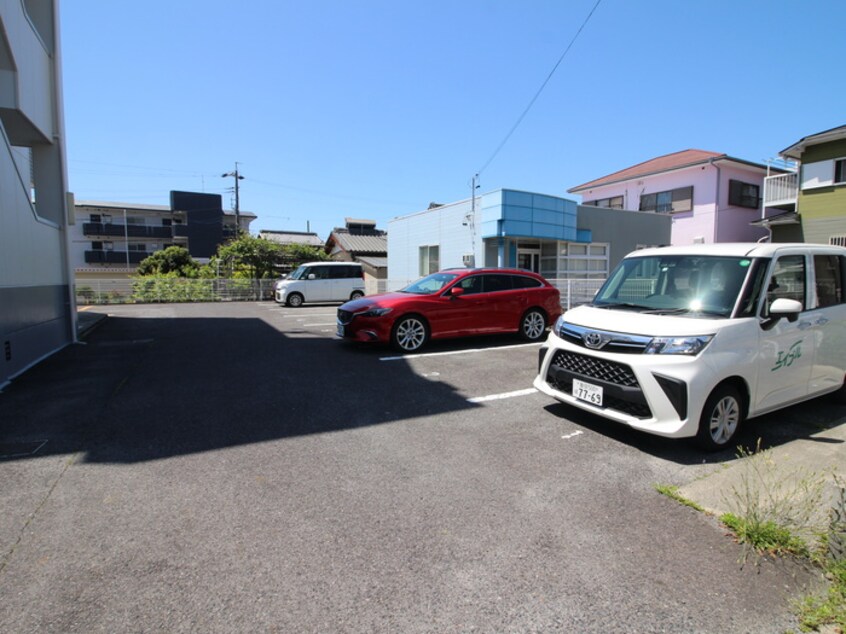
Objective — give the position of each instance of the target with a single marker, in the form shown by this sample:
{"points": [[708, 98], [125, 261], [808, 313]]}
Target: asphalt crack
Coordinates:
{"points": [[8, 556]]}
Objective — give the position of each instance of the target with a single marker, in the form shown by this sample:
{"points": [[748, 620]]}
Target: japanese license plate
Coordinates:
{"points": [[587, 392]]}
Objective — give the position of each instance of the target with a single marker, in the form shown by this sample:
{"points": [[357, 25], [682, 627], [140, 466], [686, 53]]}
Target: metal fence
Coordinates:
{"points": [[167, 290], [164, 290]]}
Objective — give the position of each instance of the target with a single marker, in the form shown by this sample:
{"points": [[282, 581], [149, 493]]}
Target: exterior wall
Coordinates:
{"points": [[625, 231], [702, 224], [732, 224], [513, 213], [37, 314], [823, 209], [442, 226]]}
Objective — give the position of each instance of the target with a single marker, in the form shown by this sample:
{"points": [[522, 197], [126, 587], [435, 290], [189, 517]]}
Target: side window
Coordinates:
{"points": [[355, 272], [471, 285], [787, 280], [521, 281], [494, 283], [829, 277], [337, 272], [319, 272]]}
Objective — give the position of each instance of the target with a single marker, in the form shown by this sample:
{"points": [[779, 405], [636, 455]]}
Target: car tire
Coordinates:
{"points": [[533, 325], [356, 295], [721, 418], [409, 334], [295, 300]]}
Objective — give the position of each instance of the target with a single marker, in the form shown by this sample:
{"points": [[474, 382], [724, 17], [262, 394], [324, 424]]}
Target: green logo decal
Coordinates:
{"points": [[787, 357]]}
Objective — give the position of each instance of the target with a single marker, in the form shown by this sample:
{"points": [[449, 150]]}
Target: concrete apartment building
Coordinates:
{"points": [[37, 311], [110, 239]]}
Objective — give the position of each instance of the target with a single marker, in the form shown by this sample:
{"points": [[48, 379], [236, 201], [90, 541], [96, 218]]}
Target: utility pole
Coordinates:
{"points": [[238, 177]]}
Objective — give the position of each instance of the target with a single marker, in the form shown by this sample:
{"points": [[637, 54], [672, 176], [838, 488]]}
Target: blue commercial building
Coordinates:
{"points": [[553, 236]]}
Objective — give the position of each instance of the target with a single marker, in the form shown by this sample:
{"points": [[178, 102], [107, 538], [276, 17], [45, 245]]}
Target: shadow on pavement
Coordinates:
{"points": [[799, 422], [145, 389]]}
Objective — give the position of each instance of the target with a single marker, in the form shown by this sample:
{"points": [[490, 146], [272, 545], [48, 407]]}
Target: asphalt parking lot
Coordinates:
{"points": [[234, 467]]}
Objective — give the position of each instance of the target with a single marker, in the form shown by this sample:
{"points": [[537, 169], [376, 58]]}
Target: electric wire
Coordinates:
{"points": [[540, 90]]}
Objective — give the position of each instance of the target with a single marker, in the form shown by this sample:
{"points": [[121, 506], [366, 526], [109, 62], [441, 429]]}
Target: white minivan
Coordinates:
{"points": [[690, 341], [321, 282]]}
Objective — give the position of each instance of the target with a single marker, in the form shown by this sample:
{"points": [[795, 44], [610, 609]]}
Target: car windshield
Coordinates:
{"points": [[430, 284], [298, 273], [690, 285]]}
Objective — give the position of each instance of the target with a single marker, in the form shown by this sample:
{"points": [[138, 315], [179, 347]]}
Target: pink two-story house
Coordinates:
{"points": [[711, 197]]}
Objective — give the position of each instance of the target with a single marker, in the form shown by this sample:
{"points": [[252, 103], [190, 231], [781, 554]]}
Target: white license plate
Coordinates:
{"points": [[587, 392], [340, 331]]}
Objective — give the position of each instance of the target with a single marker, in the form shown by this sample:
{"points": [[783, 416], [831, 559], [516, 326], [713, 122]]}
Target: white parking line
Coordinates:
{"points": [[318, 325], [497, 397], [444, 354]]}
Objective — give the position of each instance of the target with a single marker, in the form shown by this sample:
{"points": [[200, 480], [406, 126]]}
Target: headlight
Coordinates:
{"points": [[678, 345], [374, 312], [559, 324]]}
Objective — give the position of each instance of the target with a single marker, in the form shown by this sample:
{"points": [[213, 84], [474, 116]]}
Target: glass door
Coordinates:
{"points": [[528, 259]]}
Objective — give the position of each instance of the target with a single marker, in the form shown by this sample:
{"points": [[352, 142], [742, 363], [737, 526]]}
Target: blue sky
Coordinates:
{"points": [[374, 109]]}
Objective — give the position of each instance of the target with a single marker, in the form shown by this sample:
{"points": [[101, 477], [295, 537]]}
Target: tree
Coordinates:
{"points": [[257, 257], [172, 260], [296, 254]]}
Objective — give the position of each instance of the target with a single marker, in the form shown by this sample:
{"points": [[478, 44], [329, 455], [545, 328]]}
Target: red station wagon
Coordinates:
{"points": [[454, 303]]}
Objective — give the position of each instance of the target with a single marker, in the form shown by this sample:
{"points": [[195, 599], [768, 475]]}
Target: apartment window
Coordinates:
{"points": [[840, 171], [615, 202], [744, 194], [94, 218], [166, 222], [671, 201], [130, 220], [429, 259], [97, 246], [136, 246]]}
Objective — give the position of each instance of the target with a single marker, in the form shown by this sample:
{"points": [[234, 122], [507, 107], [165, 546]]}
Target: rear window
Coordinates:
{"points": [[829, 279], [496, 282], [521, 281]]}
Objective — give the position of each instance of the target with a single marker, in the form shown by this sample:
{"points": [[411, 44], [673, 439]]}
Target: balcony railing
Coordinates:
{"points": [[114, 257], [781, 190], [133, 231]]}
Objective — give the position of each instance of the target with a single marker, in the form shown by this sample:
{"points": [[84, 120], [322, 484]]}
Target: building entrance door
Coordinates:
{"points": [[528, 259]]}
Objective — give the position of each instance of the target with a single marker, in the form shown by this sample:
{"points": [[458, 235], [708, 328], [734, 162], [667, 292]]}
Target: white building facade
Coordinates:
{"points": [[37, 311]]}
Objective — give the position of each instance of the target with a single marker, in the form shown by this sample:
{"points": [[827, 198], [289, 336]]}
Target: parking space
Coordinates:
{"points": [[208, 466]]}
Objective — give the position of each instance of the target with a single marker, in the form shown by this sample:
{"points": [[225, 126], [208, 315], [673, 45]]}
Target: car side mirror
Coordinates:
{"points": [[783, 308], [312, 276], [456, 291]]}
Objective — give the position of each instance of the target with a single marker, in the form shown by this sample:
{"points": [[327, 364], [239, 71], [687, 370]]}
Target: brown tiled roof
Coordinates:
{"points": [[665, 163]]}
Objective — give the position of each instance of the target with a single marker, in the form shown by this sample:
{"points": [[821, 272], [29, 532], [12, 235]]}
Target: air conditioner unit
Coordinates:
{"points": [[469, 260]]}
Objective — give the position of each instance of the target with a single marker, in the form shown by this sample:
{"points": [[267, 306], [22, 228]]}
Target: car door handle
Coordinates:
{"points": [[822, 321], [804, 325]]}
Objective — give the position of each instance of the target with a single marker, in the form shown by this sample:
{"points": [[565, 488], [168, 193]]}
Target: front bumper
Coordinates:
{"points": [[365, 329], [652, 393]]}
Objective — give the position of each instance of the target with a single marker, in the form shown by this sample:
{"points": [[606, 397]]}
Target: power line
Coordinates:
{"points": [[540, 90]]}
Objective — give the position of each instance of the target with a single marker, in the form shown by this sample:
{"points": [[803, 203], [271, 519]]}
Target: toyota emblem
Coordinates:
{"points": [[593, 340]]}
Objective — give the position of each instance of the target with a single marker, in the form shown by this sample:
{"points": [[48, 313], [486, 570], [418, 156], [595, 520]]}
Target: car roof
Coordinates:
{"points": [[739, 249], [331, 263], [489, 269]]}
